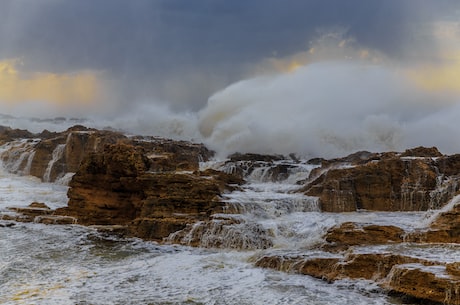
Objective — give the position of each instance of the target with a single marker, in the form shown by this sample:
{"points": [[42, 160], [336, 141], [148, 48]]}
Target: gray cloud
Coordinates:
{"points": [[182, 51]]}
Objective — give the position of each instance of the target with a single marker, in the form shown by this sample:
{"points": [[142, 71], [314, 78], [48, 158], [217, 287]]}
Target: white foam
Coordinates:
{"points": [[76, 266]]}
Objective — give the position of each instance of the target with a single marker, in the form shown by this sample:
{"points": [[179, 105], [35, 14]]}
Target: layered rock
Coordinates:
{"points": [[263, 168], [417, 180], [417, 278], [352, 234], [130, 185], [433, 283], [153, 188], [444, 228], [51, 156]]}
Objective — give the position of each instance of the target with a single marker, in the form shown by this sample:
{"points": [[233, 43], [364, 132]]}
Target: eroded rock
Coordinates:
{"points": [[122, 185], [417, 180]]}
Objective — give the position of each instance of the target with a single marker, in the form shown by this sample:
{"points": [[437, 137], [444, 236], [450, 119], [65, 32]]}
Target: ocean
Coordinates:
{"points": [[73, 264]]}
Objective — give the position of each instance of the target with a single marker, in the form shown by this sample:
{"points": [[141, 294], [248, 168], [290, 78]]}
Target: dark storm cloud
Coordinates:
{"points": [[151, 45]]}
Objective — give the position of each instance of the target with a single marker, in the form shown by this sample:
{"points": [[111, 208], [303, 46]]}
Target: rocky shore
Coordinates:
{"points": [[155, 189]]}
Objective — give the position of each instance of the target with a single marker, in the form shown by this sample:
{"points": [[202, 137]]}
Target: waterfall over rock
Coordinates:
{"points": [[384, 217]]}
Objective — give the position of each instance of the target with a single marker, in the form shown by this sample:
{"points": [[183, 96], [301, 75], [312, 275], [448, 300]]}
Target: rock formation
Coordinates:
{"points": [[51, 156], [128, 185], [417, 278], [154, 189], [416, 180]]}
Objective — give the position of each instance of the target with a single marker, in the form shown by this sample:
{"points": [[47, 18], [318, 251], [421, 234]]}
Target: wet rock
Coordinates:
{"points": [[123, 185], [445, 228], [7, 225], [261, 168], [427, 283], [413, 277], [8, 134], [55, 220], [453, 268], [423, 152], [227, 233], [33, 210], [170, 155], [51, 155], [350, 234], [370, 266], [386, 182]]}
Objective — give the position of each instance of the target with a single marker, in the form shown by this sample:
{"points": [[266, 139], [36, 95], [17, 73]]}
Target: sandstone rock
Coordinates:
{"points": [[50, 156], [386, 182], [350, 234], [229, 233], [170, 155], [423, 152], [32, 210], [427, 283], [417, 278], [123, 185], [370, 266], [55, 220], [8, 134], [264, 168], [444, 229], [453, 268]]}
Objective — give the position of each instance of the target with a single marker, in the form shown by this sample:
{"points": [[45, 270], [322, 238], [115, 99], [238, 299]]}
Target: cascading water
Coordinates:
{"points": [[57, 154], [266, 212], [17, 156], [70, 264]]}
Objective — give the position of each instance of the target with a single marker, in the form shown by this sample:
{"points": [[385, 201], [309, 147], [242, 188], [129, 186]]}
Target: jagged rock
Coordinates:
{"points": [[170, 155], [426, 283], [51, 155], [386, 182], [265, 168], [255, 157], [371, 266], [123, 185], [350, 234], [453, 268], [226, 233], [423, 152], [445, 228], [414, 277], [8, 134]]}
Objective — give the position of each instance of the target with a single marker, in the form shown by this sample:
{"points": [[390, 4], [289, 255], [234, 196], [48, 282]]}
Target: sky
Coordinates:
{"points": [[186, 60]]}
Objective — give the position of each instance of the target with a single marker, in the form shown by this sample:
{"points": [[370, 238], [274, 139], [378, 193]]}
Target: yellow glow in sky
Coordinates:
{"points": [[445, 77], [59, 89]]}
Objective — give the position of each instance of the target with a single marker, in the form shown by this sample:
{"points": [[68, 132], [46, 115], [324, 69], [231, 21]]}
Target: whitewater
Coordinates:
{"points": [[369, 108], [323, 109], [72, 264]]}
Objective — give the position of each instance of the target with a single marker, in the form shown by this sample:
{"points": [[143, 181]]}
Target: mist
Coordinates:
{"points": [[311, 77], [329, 109]]}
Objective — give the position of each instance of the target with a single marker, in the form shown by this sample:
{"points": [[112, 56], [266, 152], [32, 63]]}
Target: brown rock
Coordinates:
{"points": [[51, 155], [370, 266], [444, 229], [121, 185], [350, 234], [386, 183], [453, 268], [8, 134], [421, 151], [432, 284]]}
